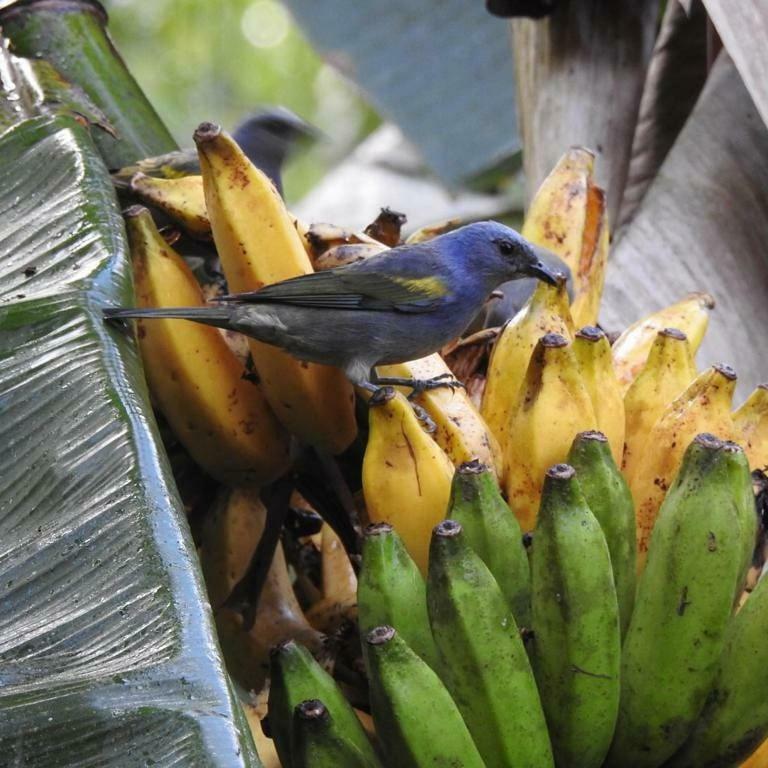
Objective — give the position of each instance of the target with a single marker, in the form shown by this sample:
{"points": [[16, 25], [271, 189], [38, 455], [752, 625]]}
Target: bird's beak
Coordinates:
{"points": [[543, 272]]}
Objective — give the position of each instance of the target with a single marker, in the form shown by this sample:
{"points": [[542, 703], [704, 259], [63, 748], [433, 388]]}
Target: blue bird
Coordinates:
{"points": [[399, 305]]}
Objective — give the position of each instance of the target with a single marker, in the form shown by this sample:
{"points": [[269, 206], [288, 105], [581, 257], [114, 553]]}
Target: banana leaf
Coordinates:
{"points": [[703, 225], [107, 650], [579, 75]]}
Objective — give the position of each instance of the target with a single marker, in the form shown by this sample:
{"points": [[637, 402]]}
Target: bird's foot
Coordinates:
{"points": [[383, 394], [447, 380], [417, 386], [426, 421]]}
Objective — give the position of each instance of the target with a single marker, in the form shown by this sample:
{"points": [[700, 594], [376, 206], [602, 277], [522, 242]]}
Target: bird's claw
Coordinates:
{"points": [[417, 386], [426, 421], [436, 382]]}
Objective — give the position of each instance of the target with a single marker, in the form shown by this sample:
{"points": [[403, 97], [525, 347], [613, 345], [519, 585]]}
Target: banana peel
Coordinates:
{"points": [[670, 368], [593, 357]]}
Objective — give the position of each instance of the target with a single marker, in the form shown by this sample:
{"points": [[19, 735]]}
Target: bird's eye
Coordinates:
{"points": [[506, 247]]}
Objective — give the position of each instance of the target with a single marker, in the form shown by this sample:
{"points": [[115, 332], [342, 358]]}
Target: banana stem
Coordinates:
{"points": [[328, 492], [246, 593]]}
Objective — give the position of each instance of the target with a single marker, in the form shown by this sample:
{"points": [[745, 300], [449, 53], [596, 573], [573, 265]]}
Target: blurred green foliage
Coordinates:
{"points": [[201, 60]]}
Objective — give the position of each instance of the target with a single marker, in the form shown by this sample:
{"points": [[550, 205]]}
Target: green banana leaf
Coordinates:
{"points": [[107, 650], [72, 35]]}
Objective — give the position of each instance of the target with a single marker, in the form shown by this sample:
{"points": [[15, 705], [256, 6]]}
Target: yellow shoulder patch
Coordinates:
{"points": [[431, 287]]}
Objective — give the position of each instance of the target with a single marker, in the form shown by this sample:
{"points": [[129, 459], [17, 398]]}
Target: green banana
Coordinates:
{"points": [[295, 677], [417, 722], [576, 646], [494, 533], [610, 500], [482, 659], [683, 605], [735, 718], [317, 742], [390, 590]]}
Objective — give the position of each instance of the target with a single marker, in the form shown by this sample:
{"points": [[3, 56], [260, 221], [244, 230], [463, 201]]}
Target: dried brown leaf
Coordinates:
{"points": [[703, 225], [580, 75]]}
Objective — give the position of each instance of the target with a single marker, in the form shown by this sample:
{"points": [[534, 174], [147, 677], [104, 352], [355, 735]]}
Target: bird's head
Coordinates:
{"points": [[505, 254], [276, 126]]}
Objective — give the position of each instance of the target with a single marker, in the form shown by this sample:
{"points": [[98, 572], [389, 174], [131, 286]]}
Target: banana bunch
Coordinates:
{"points": [[643, 527], [558, 657], [548, 579]]}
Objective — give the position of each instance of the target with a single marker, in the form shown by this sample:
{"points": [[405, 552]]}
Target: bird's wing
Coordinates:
{"points": [[347, 288]]}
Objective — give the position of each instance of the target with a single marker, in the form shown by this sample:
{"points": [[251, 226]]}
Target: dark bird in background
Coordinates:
{"points": [[268, 137], [400, 305]]}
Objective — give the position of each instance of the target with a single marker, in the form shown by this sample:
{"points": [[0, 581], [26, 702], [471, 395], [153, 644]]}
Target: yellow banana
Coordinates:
{"points": [[258, 244], [569, 217], [181, 199], [545, 312], [759, 758], [689, 315], [704, 407], [221, 419], [230, 534], [593, 356], [254, 714], [751, 422], [554, 407], [230, 537], [460, 430], [339, 599], [669, 370], [406, 475]]}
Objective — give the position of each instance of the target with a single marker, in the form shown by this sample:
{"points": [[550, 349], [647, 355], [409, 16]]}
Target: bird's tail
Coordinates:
{"points": [[216, 316]]}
